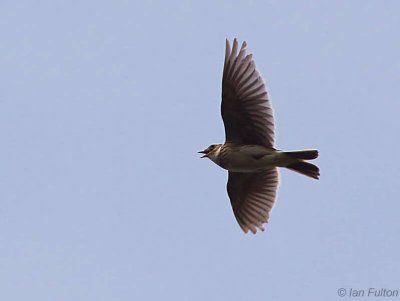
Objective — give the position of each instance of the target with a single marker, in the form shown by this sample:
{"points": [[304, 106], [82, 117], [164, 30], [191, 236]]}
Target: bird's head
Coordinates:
{"points": [[211, 152]]}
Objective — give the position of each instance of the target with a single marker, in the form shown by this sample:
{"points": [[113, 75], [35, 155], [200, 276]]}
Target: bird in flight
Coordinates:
{"points": [[248, 152]]}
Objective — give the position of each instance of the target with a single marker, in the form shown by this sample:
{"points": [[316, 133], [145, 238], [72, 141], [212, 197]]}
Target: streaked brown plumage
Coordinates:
{"points": [[248, 152]]}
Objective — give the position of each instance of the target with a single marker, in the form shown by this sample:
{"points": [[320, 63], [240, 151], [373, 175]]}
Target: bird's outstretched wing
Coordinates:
{"points": [[252, 197], [246, 109]]}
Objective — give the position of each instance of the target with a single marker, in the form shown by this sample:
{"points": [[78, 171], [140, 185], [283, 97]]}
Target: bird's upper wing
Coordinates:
{"points": [[252, 197], [246, 109]]}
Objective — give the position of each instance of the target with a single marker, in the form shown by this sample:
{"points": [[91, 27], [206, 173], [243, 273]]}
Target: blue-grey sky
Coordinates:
{"points": [[104, 105]]}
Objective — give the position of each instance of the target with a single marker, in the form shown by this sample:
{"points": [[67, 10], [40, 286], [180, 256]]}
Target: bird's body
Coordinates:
{"points": [[249, 158], [248, 152]]}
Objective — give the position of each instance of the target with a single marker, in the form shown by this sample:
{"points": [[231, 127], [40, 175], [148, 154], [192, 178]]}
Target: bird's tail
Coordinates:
{"points": [[307, 154], [303, 167]]}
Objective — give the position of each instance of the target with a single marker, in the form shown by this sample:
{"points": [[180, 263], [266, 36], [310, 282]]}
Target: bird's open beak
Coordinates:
{"points": [[203, 152]]}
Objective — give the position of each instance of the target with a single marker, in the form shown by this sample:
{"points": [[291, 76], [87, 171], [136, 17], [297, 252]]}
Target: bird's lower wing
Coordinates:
{"points": [[252, 197]]}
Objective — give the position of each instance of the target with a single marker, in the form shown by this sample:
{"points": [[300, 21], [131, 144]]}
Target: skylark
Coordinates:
{"points": [[248, 152]]}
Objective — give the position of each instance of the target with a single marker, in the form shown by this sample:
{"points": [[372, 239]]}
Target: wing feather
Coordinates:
{"points": [[252, 197], [246, 109]]}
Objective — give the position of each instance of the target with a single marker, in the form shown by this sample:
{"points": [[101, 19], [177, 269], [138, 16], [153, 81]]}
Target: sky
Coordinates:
{"points": [[104, 105]]}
